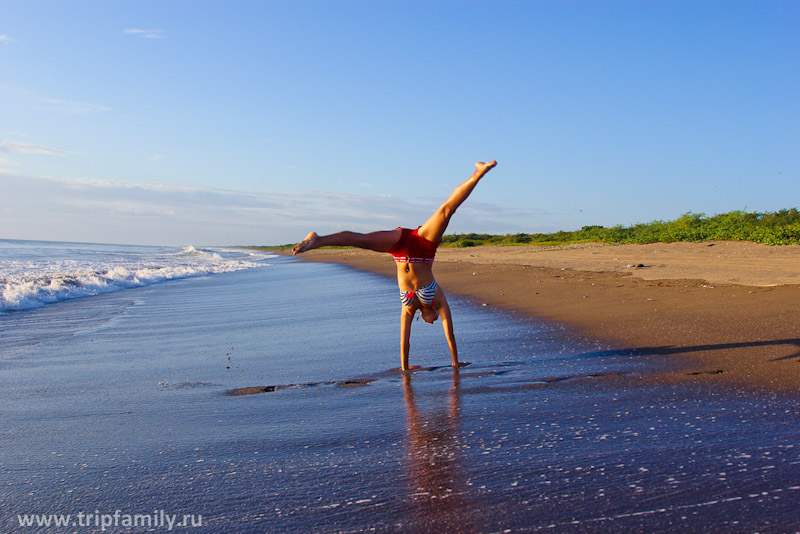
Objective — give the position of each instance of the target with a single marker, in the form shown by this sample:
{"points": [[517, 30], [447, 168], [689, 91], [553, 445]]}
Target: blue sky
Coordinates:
{"points": [[247, 122]]}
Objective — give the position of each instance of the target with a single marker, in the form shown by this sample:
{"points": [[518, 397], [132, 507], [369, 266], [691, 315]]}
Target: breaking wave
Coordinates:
{"points": [[31, 283]]}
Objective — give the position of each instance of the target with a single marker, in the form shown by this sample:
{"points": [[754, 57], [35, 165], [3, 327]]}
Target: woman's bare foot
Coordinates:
{"points": [[306, 244], [482, 168]]}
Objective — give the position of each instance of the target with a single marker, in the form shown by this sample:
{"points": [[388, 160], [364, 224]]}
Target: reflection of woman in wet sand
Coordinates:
{"points": [[439, 494], [413, 250]]}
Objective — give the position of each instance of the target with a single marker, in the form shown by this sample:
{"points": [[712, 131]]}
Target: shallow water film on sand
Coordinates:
{"points": [[269, 400]]}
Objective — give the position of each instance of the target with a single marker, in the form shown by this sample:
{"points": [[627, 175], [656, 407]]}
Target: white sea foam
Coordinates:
{"points": [[36, 278]]}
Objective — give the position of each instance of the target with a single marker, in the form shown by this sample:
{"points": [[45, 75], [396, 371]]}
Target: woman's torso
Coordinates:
{"points": [[413, 276], [414, 256]]}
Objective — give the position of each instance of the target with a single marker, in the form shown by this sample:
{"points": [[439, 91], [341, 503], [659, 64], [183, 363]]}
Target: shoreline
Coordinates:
{"points": [[723, 313]]}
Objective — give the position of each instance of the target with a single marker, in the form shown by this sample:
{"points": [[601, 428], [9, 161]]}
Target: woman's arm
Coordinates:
{"points": [[406, 316], [447, 324]]}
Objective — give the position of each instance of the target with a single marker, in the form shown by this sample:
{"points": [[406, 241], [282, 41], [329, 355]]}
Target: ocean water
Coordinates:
{"points": [[261, 394], [35, 273]]}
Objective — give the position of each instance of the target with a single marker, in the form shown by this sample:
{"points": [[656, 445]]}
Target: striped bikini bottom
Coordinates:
{"points": [[425, 295]]}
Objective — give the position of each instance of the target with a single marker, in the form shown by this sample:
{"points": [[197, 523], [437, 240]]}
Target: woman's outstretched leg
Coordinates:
{"points": [[434, 227], [377, 241]]}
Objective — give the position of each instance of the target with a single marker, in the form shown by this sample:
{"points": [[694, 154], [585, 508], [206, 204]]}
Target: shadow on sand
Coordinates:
{"points": [[666, 350]]}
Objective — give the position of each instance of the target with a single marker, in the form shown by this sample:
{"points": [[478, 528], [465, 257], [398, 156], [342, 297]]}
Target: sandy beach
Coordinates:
{"points": [[726, 312]]}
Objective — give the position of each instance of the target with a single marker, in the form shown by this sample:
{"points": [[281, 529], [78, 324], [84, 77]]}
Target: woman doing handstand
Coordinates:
{"points": [[413, 251]]}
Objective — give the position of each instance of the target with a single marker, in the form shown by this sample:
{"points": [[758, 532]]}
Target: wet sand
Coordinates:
{"points": [[725, 312], [269, 400]]}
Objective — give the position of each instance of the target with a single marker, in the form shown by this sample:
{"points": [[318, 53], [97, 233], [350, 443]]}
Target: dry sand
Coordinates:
{"points": [[727, 312]]}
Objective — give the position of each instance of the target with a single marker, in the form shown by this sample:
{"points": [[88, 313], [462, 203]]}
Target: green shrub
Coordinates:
{"points": [[771, 228]]}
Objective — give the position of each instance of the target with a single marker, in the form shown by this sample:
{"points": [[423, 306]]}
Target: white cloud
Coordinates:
{"points": [[8, 147], [116, 212], [147, 34], [3, 165], [5, 39], [73, 108], [47, 103]]}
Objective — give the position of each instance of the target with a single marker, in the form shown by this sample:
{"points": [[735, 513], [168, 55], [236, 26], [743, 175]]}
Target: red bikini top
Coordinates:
{"points": [[413, 248]]}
